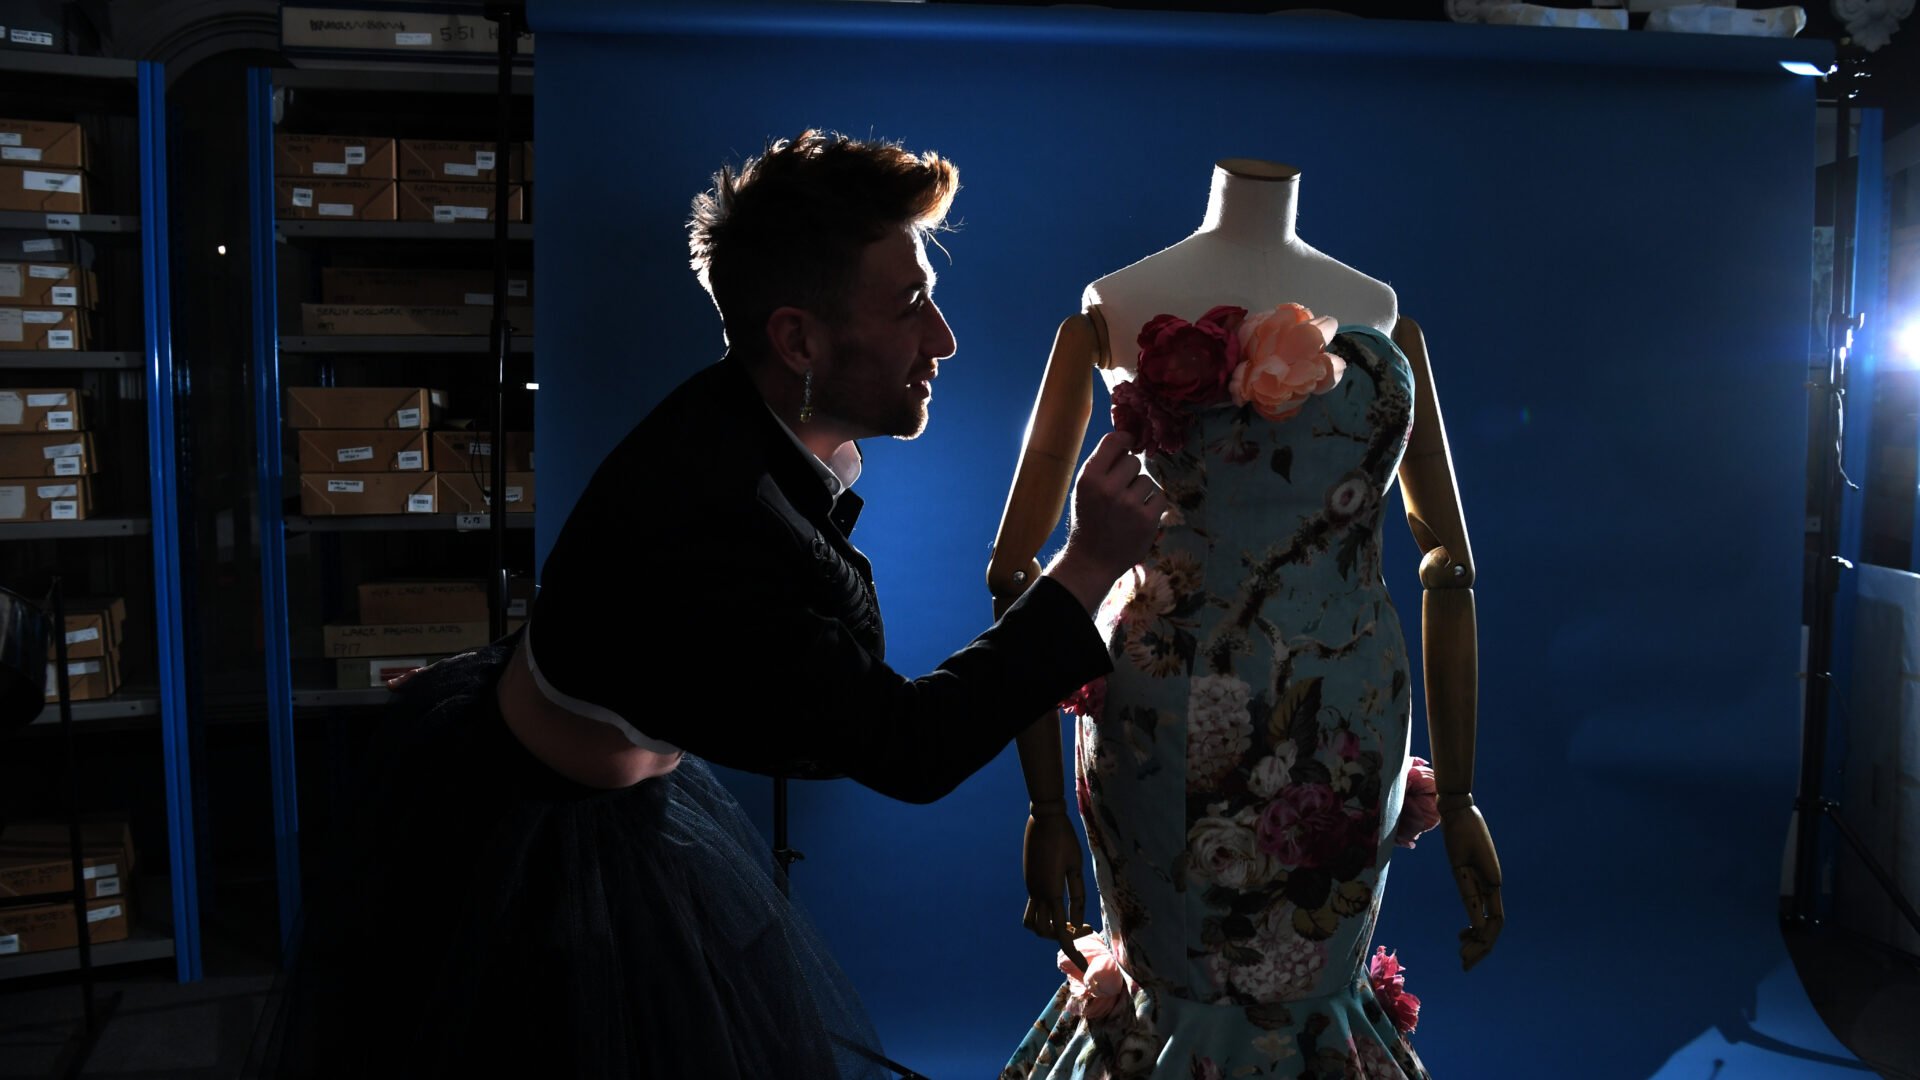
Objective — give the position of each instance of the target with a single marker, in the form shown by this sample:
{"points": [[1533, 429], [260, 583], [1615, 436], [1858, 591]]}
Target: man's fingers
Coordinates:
{"points": [[1114, 447]]}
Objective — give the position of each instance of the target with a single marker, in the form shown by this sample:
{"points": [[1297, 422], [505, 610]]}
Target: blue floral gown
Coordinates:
{"points": [[1241, 785]]}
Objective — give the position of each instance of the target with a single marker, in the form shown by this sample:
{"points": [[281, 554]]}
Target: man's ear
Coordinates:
{"points": [[796, 339]]}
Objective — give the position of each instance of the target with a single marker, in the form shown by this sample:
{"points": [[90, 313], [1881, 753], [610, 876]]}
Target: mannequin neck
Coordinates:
{"points": [[1255, 203]]}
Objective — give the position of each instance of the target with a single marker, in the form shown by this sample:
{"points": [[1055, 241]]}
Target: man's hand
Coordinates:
{"points": [[1115, 518]]}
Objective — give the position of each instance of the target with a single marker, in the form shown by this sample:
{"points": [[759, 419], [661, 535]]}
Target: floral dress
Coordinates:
{"points": [[1242, 781]]}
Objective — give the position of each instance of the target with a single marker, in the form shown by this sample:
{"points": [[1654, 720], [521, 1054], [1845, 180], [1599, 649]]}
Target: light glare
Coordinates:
{"points": [[222, 249], [1907, 341], [533, 386], [1801, 67]]}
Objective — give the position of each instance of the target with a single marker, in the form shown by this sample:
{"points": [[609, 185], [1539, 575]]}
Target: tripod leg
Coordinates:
{"points": [[1887, 884]]}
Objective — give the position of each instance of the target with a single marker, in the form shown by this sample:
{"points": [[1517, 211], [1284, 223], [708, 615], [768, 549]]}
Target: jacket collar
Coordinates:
{"points": [[791, 465]]}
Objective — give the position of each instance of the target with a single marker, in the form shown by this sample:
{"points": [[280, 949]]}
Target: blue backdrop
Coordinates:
{"points": [[1606, 239]]}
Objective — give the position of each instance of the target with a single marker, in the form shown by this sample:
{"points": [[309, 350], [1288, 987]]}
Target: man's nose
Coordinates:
{"points": [[940, 344]]}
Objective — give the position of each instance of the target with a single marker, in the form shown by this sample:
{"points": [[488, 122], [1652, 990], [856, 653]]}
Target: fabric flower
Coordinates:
{"points": [[1227, 850], [1390, 990], [1190, 362], [1274, 771], [1090, 701], [1152, 597], [1184, 574], [1284, 360], [1376, 1062], [1421, 810], [1219, 729], [1304, 827], [1202, 1068], [1344, 743], [1138, 1051], [1095, 991], [1283, 972], [1350, 496], [1157, 427]]}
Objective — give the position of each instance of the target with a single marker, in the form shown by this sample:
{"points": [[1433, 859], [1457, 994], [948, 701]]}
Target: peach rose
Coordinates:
{"points": [[1283, 360], [1099, 988]]}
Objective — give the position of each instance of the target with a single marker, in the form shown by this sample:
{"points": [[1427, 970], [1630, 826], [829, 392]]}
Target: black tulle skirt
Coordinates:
{"points": [[489, 917]]}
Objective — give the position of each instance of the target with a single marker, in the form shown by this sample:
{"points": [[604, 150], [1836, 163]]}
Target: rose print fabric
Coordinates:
{"points": [[1241, 774]]}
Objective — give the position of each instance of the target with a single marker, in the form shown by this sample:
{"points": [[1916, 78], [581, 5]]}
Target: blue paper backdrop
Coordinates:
{"points": [[1609, 253]]}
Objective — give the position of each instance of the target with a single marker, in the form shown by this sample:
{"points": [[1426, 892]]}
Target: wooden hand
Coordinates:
{"points": [[1051, 855], [1476, 873]]}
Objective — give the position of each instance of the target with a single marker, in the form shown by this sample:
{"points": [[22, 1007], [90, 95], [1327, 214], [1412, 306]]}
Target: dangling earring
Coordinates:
{"points": [[806, 399]]}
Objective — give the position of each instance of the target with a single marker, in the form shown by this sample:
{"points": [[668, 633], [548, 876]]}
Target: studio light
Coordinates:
{"points": [[1906, 341], [533, 386]]}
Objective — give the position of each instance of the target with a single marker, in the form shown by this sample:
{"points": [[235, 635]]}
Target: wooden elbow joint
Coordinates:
{"points": [[1439, 570], [1007, 581]]}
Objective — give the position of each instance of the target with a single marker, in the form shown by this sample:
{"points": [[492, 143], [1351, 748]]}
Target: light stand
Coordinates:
{"points": [[509, 17]]}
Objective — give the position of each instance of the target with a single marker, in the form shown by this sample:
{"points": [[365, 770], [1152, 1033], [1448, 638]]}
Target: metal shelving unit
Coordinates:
{"points": [[397, 230], [93, 78], [398, 343], [300, 523]]}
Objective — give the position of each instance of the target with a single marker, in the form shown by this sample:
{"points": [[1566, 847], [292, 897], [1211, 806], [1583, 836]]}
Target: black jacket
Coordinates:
{"points": [[704, 589]]}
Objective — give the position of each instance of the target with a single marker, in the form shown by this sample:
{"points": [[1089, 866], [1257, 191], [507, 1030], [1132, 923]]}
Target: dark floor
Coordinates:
{"points": [[1868, 995]]}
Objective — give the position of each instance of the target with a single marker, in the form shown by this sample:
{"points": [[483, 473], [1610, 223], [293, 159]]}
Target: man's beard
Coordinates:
{"points": [[859, 395]]}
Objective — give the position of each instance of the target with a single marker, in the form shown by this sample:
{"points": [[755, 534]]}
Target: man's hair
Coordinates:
{"points": [[789, 227]]}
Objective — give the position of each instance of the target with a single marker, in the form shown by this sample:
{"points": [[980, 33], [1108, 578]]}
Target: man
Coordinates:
{"points": [[612, 912]]}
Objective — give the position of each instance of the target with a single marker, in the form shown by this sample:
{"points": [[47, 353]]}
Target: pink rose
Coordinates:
{"points": [[1344, 743], [1190, 362], [1202, 1068], [1304, 827], [1284, 360], [1089, 701], [1156, 427], [1390, 990], [1421, 810], [1098, 989]]}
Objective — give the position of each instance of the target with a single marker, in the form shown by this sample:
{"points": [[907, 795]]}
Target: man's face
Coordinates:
{"points": [[885, 355]]}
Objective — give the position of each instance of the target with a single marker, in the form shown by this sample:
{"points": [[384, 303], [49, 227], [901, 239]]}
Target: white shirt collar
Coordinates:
{"points": [[840, 472]]}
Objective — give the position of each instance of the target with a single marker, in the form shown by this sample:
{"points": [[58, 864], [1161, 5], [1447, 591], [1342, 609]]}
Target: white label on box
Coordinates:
{"points": [[329, 168], [379, 671], [109, 886], [10, 281], [409, 459], [470, 522], [354, 453], [62, 182], [470, 213], [480, 298], [302, 196], [9, 138], [58, 491], [513, 494], [45, 318], [356, 155], [12, 411], [444, 213], [517, 608], [64, 511], [12, 324], [64, 450], [66, 466], [43, 270], [104, 870], [20, 153], [60, 420], [485, 448], [47, 243], [59, 339], [413, 39], [437, 397], [406, 418], [46, 401], [516, 286], [483, 159], [349, 486], [9, 944], [420, 504], [64, 296], [69, 222], [76, 669], [111, 911], [81, 637], [13, 502], [460, 168], [336, 209], [32, 37]]}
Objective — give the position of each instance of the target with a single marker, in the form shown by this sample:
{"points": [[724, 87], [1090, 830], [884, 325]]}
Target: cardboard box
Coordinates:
{"points": [[331, 450], [47, 284], [372, 673], [95, 627], [36, 858], [464, 493], [24, 411], [403, 639], [324, 319], [465, 451], [387, 602], [322, 495], [333, 156], [458, 162], [42, 142], [87, 680], [444, 202], [38, 328], [363, 407], [18, 245], [54, 454], [43, 189], [334, 200], [67, 498], [44, 927], [431, 288]]}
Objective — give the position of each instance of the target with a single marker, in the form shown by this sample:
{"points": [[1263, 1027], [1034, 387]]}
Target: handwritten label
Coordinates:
{"points": [[329, 168], [81, 637], [58, 183], [12, 412], [347, 487], [470, 522], [64, 450], [68, 222], [413, 39], [46, 401], [336, 209], [47, 271], [20, 153], [111, 911], [460, 168], [104, 870], [58, 491], [354, 453], [35, 247], [44, 318], [13, 502]]}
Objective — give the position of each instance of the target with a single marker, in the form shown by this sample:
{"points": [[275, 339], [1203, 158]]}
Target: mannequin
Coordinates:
{"points": [[1247, 253]]}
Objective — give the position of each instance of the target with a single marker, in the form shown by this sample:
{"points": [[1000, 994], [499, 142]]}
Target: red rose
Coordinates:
{"points": [[1190, 362], [1390, 990], [1156, 427], [1304, 827], [1090, 701]]}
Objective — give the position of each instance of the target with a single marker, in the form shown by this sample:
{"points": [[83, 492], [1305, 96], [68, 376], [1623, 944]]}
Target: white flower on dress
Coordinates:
{"points": [[1277, 1045], [1376, 1061], [1349, 496], [1227, 850], [1219, 730], [1274, 771], [1138, 1051], [1219, 975], [1262, 981], [1298, 961]]}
